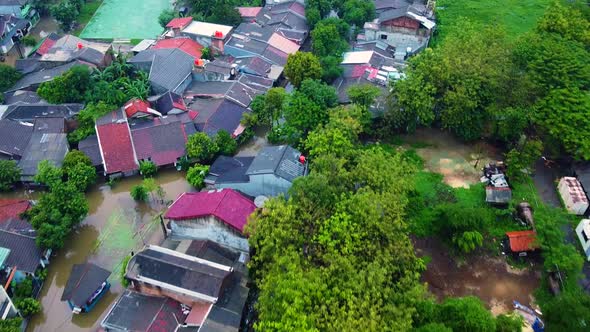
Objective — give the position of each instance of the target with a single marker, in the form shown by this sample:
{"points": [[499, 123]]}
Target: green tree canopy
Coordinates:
{"points": [[226, 145], [9, 174], [325, 41], [201, 147], [302, 65], [67, 88], [8, 76], [196, 175]]}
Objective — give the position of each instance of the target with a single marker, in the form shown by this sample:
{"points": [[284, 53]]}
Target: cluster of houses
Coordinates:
{"points": [[196, 280], [17, 18]]}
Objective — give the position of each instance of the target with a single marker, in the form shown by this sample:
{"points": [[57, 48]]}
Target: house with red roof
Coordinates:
{"points": [[184, 44], [249, 13], [137, 108], [217, 215], [115, 144], [522, 242]]}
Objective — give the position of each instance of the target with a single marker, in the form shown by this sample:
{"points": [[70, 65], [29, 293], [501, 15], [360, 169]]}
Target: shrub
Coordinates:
{"points": [[9, 174], [29, 41], [201, 147], [27, 306], [123, 270], [147, 168], [225, 143], [196, 175], [139, 193]]}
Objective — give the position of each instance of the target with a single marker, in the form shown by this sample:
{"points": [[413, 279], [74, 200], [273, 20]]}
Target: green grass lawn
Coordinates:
{"points": [[517, 16], [86, 13]]}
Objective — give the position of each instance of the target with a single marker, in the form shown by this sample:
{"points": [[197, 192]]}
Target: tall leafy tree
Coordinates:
{"points": [[67, 88], [302, 65], [8, 76]]}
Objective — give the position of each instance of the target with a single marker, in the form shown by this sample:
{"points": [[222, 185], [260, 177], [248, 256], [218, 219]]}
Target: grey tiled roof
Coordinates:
{"points": [[24, 253], [14, 137], [28, 112], [84, 280], [282, 160], [42, 146], [229, 169], [28, 97], [90, 147], [169, 71]]}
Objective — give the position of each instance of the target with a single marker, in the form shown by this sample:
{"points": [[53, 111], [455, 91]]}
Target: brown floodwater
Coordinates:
{"points": [[115, 226], [489, 278]]}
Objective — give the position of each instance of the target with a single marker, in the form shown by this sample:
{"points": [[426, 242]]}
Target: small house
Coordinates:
{"points": [[407, 27], [270, 173], [187, 279], [86, 285], [12, 29], [218, 215], [583, 231], [115, 144], [522, 243]]}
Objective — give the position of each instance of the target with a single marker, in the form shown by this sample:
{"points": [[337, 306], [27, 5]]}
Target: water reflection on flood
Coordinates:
{"points": [[115, 226]]}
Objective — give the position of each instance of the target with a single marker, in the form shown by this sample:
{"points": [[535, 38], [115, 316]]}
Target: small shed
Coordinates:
{"points": [[573, 195], [583, 231], [522, 242], [86, 285]]}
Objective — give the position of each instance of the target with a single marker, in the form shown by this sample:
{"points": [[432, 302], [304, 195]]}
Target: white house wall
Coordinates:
{"points": [[585, 244], [209, 229]]}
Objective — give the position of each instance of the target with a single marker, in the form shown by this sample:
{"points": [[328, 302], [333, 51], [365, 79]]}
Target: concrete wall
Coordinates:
{"points": [[209, 228], [157, 291], [10, 310], [265, 184]]}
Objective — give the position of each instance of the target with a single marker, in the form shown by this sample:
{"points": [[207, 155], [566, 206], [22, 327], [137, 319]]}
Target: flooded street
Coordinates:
{"points": [[489, 278], [115, 226]]}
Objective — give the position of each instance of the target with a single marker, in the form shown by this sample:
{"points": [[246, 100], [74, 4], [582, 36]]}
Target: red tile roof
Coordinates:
{"points": [[227, 205], [45, 46], [117, 150], [179, 22], [198, 314], [12, 208], [522, 241], [135, 106], [249, 12], [186, 45]]}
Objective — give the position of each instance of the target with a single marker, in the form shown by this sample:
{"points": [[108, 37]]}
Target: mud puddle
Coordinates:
{"points": [[489, 278], [459, 163]]}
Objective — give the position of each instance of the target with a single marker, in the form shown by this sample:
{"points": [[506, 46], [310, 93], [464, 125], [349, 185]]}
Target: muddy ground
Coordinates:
{"points": [[490, 278], [459, 163]]}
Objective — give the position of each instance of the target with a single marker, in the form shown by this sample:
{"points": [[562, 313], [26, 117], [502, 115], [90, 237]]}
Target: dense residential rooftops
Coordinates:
{"points": [[44, 75], [84, 280], [21, 96], [48, 142], [177, 272], [24, 253], [227, 205], [282, 160], [143, 313]]}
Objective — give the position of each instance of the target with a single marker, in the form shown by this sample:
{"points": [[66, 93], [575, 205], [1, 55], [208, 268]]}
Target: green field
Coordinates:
{"points": [[517, 16]]}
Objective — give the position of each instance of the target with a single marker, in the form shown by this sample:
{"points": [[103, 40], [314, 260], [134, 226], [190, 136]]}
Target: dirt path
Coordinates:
{"points": [[489, 278]]}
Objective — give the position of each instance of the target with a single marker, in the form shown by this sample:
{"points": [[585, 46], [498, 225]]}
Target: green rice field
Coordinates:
{"points": [[516, 16], [126, 19]]}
